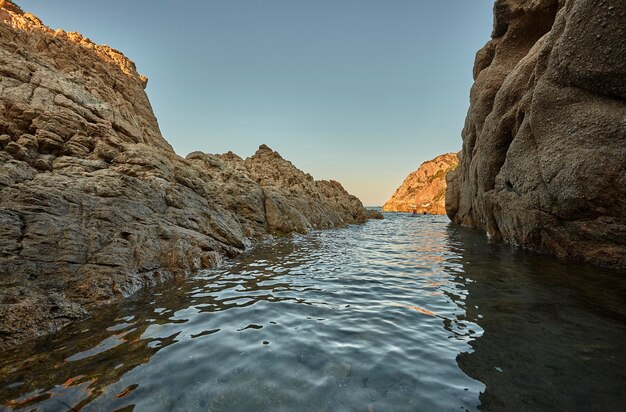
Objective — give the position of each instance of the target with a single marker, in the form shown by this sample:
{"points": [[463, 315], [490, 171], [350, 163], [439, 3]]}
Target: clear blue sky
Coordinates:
{"points": [[360, 91]]}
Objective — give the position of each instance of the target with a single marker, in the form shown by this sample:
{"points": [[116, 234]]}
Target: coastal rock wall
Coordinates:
{"points": [[543, 163], [424, 190], [95, 204]]}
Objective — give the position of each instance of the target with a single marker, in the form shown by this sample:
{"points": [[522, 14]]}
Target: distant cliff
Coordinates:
{"points": [[543, 163], [95, 204], [424, 190]]}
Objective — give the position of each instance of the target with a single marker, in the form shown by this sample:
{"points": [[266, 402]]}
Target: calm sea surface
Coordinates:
{"points": [[405, 314]]}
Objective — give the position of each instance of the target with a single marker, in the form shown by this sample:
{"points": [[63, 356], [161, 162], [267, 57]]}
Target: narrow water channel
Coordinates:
{"points": [[404, 314]]}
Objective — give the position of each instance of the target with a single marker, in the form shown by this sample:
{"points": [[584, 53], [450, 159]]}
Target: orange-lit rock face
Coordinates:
{"points": [[95, 204], [543, 163], [424, 190], [69, 89]]}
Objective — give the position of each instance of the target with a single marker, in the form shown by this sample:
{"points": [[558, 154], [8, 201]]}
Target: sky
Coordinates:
{"points": [[359, 91]]}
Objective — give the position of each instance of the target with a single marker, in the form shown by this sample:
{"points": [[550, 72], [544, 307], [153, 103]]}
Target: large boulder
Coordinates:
{"points": [[543, 164]]}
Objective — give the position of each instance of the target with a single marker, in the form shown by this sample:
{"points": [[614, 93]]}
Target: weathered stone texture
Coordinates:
{"points": [[543, 163], [95, 204]]}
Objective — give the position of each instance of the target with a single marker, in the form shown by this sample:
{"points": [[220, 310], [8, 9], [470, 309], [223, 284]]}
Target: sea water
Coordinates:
{"points": [[404, 314]]}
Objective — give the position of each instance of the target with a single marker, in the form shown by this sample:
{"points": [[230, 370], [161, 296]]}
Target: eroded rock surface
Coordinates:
{"points": [[95, 204], [543, 163], [424, 190]]}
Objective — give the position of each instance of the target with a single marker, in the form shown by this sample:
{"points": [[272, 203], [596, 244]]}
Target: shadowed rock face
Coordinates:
{"points": [[424, 190], [543, 163], [95, 204]]}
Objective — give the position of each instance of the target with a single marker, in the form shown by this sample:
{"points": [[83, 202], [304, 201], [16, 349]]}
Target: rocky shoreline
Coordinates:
{"points": [[95, 204]]}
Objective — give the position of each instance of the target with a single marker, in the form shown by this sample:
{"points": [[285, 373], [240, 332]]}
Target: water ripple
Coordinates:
{"points": [[368, 318]]}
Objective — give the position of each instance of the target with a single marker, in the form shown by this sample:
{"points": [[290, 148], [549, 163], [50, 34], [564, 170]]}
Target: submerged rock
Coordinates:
{"points": [[543, 163], [424, 190], [95, 204]]}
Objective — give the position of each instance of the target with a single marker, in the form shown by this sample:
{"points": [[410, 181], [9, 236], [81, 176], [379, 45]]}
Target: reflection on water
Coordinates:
{"points": [[554, 333], [401, 314]]}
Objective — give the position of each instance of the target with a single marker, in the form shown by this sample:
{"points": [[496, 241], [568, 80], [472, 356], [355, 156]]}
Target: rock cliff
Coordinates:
{"points": [[424, 190], [543, 163], [95, 204]]}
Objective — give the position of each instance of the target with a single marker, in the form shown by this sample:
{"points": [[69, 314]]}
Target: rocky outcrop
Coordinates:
{"points": [[543, 163], [375, 214], [424, 190], [95, 204]]}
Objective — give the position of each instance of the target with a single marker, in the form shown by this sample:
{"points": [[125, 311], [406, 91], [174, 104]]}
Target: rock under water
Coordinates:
{"points": [[543, 163], [423, 191], [95, 204]]}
